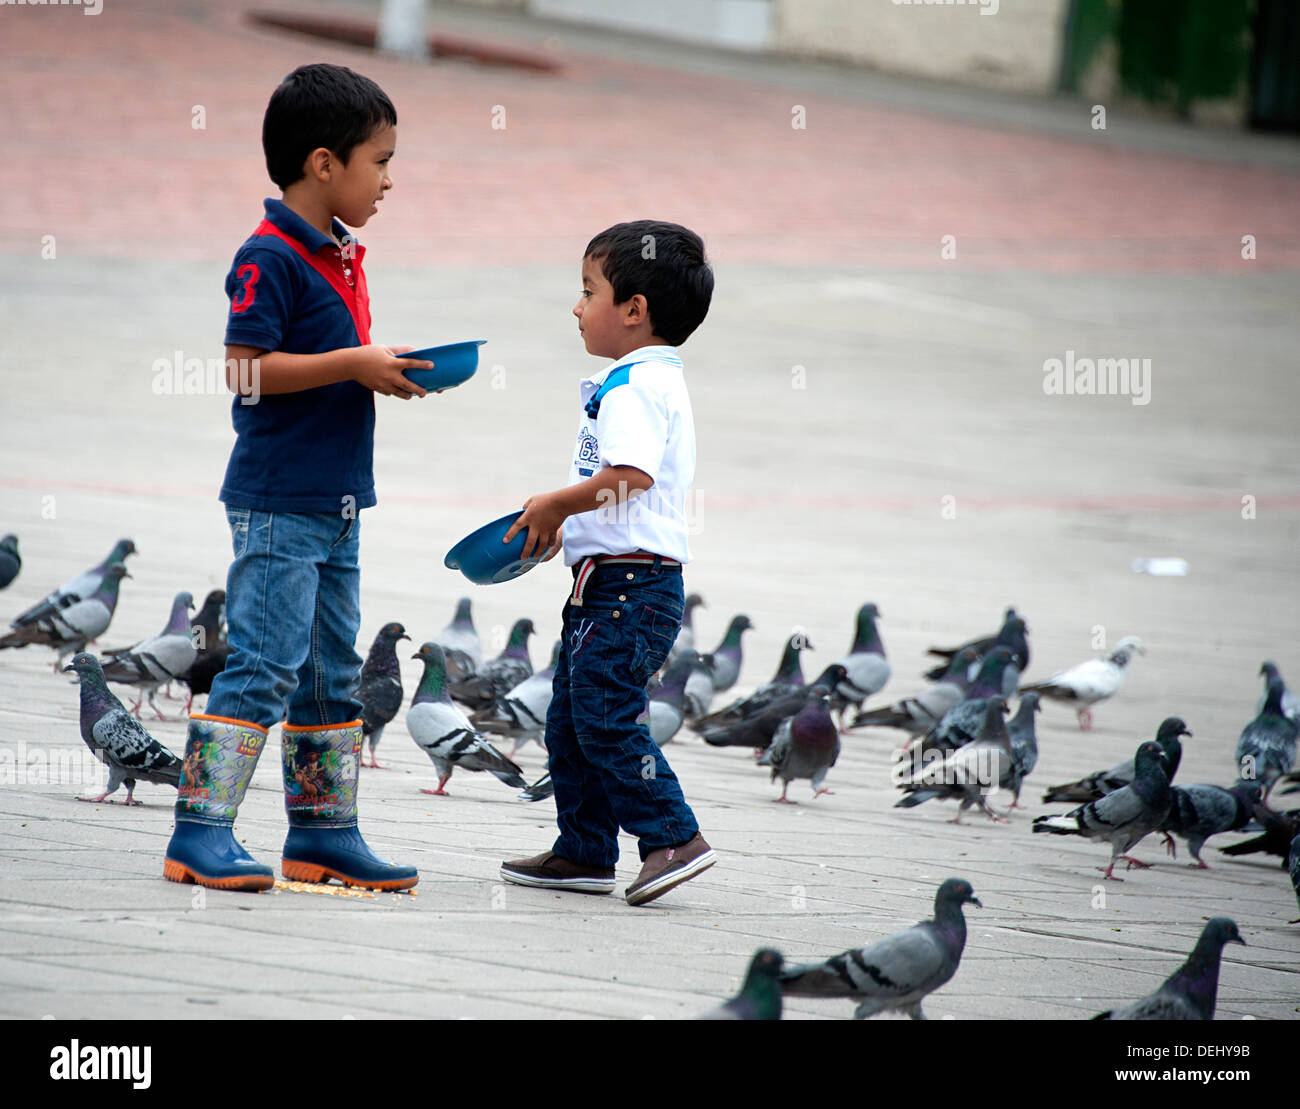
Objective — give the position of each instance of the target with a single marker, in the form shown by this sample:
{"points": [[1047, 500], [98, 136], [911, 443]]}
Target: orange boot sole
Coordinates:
{"points": [[250, 883]]}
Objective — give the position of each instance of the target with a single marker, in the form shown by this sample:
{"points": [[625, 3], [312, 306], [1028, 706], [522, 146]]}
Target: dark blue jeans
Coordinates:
{"points": [[607, 770]]}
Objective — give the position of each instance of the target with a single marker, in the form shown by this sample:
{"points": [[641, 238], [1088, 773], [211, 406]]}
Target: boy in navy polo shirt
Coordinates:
{"points": [[646, 287], [299, 474]]}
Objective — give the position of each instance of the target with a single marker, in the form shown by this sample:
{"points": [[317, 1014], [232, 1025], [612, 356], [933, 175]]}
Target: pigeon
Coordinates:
{"points": [[208, 633], [67, 629], [1124, 817], [1290, 702], [665, 706], [1011, 635], [917, 715], [969, 773], [1293, 867], [868, 669], [116, 739], [520, 713], [1200, 811], [1024, 747], [481, 689], [789, 675], [445, 734], [1090, 682], [685, 640], [899, 971], [1280, 828], [77, 589], [1266, 747], [697, 697], [757, 730], [539, 790], [760, 995], [962, 723], [165, 657], [10, 560], [728, 656], [460, 635], [1096, 785], [1190, 992], [805, 746], [380, 691]]}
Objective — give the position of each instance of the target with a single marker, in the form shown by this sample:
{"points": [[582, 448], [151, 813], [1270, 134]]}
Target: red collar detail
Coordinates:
{"points": [[355, 296]]}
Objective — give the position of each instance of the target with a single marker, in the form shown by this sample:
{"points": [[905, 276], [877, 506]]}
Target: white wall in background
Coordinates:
{"points": [[736, 24]]}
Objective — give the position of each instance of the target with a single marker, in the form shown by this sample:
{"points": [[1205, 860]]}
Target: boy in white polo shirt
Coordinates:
{"points": [[646, 287]]}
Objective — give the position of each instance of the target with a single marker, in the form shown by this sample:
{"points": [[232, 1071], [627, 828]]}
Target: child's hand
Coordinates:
{"points": [[380, 368], [542, 516]]}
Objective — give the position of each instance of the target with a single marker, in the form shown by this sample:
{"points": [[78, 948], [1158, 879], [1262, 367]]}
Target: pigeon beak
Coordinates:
{"points": [[975, 901], [69, 669], [1238, 939], [403, 637]]}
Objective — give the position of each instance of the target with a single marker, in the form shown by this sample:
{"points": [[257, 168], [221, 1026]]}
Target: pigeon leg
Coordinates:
{"points": [[1170, 845], [783, 799], [135, 708], [1132, 862], [439, 792], [821, 791], [156, 711], [1106, 870], [374, 762], [956, 819], [129, 799], [94, 800], [189, 703], [1085, 720], [1200, 864]]}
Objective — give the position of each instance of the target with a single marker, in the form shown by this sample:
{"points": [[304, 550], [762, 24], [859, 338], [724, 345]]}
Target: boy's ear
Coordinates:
{"points": [[318, 164], [636, 311]]}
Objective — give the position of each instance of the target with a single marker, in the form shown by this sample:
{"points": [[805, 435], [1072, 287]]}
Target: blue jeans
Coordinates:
{"points": [[293, 606], [607, 770]]}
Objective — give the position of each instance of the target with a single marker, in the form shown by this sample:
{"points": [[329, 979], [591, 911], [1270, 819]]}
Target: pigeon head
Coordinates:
{"points": [[84, 664], [462, 612], [829, 678], [1268, 668], [519, 634], [865, 636], [1031, 699], [766, 963], [1222, 930], [692, 602], [956, 892], [1171, 728], [10, 544], [1150, 759], [393, 632], [433, 682], [1125, 650], [555, 653], [123, 548]]}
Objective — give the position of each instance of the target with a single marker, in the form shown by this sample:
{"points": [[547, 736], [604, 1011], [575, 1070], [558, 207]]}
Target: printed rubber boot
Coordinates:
{"points": [[321, 767], [220, 755]]}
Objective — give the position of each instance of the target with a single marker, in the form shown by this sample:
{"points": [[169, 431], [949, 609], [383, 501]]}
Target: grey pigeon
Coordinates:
{"points": [[1124, 817], [1012, 635], [866, 666], [1191, 991], [520, 713], [1097, 785], [1290, 702], [380, 691], [1024, 746], [1279, 829], [685, 640], [445, 734], [1090, 682], [728, 656], [967, 774], [697, 697], [899, 971], [917, 715], [1293, 867], [67, 629], [757, 729], [805, 746], [10, 560], [117, 739], [962, 723], [77, 589], [760, 995], [1266, 747], [788, 676], [539, 790], [665, 705], [208, 632], [1200, 811], [165, 657], [460, 635], [502, 674]]}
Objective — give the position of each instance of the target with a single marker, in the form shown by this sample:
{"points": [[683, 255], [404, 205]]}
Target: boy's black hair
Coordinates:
{"points": [[320, 105], [665, 263]]}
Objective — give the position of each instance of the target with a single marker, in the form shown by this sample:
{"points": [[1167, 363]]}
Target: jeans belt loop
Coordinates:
{"points": [[581, 576]]}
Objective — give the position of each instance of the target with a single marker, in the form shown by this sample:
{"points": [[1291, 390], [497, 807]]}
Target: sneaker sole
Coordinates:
{"points": [[315, 873], [670, 880], [570, 885], [246, 883]]}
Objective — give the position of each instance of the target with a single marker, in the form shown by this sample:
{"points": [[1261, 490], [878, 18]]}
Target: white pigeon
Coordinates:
{"points": [[1090, 682]]}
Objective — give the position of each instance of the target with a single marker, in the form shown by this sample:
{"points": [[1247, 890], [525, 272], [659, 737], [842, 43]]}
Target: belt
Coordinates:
{"points": [[586, 567]]}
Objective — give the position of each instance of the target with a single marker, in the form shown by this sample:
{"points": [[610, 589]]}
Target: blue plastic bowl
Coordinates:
{"points": [[485, 560], [453, 364]]}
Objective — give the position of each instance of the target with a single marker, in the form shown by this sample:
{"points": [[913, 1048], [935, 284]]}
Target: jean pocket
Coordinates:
{"points": [[655, 634], [238, 519]]}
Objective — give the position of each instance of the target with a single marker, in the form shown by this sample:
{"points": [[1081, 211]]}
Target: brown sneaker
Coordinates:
{"points": [[669, 867], [549, 871]]}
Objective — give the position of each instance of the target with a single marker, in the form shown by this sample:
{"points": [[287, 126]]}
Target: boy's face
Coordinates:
{"points": [[600, 321], [355, 190]]}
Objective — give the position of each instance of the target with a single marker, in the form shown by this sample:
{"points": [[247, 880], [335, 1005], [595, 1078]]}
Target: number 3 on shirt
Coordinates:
{"points": [[248, 273]]}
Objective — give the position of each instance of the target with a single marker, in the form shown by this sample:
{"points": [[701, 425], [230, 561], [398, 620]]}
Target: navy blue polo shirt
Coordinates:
{"points": [[292, 289]]}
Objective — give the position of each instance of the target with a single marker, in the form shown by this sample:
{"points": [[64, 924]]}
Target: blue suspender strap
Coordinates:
{"points": [[616, 378]]}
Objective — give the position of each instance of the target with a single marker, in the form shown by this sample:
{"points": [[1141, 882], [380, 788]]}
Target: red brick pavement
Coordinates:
{"points": [[101, 153]]}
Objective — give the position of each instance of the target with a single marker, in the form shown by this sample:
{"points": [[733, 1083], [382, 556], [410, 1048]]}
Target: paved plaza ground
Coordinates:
{"points": [[873, 426]]}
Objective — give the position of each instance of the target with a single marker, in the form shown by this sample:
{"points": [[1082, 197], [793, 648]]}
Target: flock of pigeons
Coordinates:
{"points": [[960, 746]]}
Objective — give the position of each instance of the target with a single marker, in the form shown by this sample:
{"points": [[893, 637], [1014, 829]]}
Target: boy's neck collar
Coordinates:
{"points": [[293, 223]]}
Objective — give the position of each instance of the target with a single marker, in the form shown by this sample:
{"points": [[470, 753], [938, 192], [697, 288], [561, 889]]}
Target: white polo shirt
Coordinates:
{"points": [[643, 419]]}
